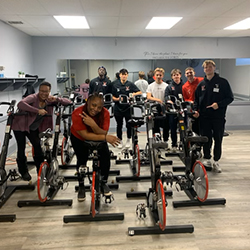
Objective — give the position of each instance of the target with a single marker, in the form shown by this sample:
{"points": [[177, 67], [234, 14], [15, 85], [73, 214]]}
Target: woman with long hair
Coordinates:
{"points": [[91, 122]]}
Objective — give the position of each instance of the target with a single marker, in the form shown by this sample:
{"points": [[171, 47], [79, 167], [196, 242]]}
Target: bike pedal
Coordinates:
{"points": [[109, 198]]}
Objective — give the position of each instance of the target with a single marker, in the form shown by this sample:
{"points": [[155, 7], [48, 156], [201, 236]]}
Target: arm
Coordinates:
{"points": [[25, 104], [135, 90], [113, 140], [184, 93], [137, 93], [151, 98], [91, 87], [229, 97], [114, 92], [63, 101], [90, 122], [167, 93]]}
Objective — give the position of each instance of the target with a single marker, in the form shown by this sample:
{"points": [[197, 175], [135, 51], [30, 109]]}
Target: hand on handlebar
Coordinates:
{"points": [[196, 114], [113, 140], [52, 98], [42, 112]]}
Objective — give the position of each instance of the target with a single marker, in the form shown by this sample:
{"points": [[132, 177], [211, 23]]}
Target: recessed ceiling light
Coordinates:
{"points": [[73, 22], [163, 22], [242, 25]]}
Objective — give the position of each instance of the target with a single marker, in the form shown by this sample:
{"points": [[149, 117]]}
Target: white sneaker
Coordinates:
{"points": [[207, 163], [128, 143], [216, 167], [174, 149], [120, 146]]}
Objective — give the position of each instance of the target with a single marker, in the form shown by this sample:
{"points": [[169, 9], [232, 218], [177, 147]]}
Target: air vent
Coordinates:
{"points": [[15, 22]]}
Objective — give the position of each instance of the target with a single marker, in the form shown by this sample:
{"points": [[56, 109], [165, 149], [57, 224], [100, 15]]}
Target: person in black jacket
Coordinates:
{"points": [[100, 84], [212, 97], [174, 89]]}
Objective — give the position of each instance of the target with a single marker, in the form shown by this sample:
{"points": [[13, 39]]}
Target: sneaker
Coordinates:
{"points": [[157, 137], [81, 194], [174, 149], [26, 176], [120, 146], [105, 189], [216, 167], [128, 143], [207, 163]]}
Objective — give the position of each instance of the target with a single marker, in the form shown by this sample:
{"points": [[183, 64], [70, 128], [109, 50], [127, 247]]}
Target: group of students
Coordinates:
{"points": [[210, 96], [91, 121]]}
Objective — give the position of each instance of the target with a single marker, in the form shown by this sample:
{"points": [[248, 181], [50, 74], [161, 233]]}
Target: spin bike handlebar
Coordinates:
{"points": [[134, 102], [11, 106], [109, 104]]}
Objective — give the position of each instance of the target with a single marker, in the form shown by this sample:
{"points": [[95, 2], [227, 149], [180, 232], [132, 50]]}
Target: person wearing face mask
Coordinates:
{"points": [[91, 122], [30, 125], [175, 89], [100, 84], [125, 87]]}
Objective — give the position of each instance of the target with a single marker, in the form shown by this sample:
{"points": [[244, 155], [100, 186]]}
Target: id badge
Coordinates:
{"points": [[216, 90]]}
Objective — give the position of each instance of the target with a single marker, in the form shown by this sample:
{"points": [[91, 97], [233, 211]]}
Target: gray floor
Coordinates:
{"points": [[215, 227]]}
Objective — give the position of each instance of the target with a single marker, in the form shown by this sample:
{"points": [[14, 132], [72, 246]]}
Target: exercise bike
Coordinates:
{"points": [[156, 201], [135, 102], [49, 182], [67, 152], [139, 157], [195, 181], [7, 191], [96, 191]]}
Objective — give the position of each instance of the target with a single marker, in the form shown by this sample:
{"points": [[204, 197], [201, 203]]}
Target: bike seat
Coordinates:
{"points": [[46, 134], [162, 145], [197, 138], [136, 122], [95, 144]]}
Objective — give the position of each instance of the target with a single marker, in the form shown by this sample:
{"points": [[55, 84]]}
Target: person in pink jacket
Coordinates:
{"points": [[32, 123]]}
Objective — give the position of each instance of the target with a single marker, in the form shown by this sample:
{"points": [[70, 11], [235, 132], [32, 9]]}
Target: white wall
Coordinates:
{"points": [[16, 54], [238, 76]]}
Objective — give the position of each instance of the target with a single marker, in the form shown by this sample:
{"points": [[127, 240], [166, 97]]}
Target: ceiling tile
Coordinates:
{"points": [[133, 22], [62, 7], [24, 7], [128, 32], [104, 32], [101, 7], [42, 21], [82, 32], [102, 22], [32, 31]]}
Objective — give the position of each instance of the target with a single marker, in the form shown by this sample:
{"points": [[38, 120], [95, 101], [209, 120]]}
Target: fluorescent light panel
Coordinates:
{"points": [[242, 25], [163, 22], [73, 22]]}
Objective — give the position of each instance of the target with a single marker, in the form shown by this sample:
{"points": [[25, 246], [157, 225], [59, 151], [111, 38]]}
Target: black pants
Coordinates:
{"points": [[33, 136], [81, 149], [173, 128], [119, 120], [162, 122], [213, 129]]}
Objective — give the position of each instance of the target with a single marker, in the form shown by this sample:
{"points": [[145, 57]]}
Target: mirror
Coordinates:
{"points": [[236, 71]]}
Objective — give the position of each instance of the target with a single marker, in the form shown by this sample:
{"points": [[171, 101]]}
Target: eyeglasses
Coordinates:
{"points": [[44, 91]]}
